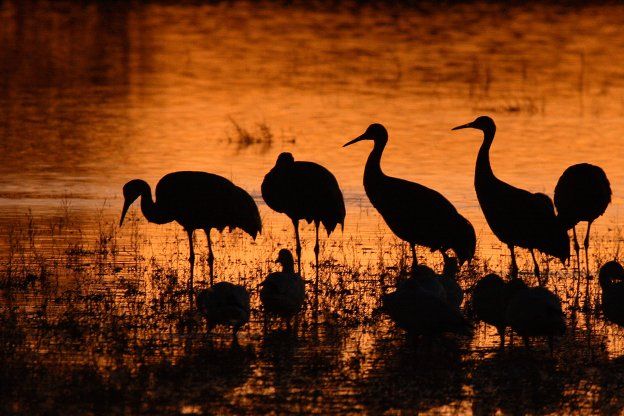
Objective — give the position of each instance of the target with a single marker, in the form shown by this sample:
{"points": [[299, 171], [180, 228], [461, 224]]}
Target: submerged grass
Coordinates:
{"points": [[97, 321]]}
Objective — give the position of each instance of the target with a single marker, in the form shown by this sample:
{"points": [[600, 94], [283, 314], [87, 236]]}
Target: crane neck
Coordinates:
{"points": [[373, 164], [151, 211], [483, 169]]}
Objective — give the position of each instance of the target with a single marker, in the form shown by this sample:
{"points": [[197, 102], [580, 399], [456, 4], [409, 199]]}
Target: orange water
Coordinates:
{"points": [[94, 95]]}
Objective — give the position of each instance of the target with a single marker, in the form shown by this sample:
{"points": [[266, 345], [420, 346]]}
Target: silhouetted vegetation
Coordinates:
{"points": [[103, 317]]}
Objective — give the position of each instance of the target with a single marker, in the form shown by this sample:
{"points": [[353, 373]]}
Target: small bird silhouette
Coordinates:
{"points": [[414, 213], [517, 217], [283, 293], [583, 193], [195, 200], [224, 303], [304, 191], [534, 312], [612, 292]]}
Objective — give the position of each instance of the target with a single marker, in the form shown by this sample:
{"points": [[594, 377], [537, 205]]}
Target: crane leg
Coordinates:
{"points": [[514, 266], [316, 257], [298, 246], [586, 248], [577, 250], [192, 263], [210, 257], [578, 267], [536, 269]]}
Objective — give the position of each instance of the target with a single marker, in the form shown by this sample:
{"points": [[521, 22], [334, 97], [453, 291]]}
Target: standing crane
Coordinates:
{"points": [[414, 213], [304, 191], [195, 200], [583, 193], [517, 217]]}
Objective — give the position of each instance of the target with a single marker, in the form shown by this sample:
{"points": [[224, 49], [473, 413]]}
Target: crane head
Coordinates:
{"points": [[375, 132], [483, 123], [131, 191]]}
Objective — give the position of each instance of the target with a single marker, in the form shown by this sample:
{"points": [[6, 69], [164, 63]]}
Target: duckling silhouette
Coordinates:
{"points": [[224, 303], [283, 293], [612, 292]]}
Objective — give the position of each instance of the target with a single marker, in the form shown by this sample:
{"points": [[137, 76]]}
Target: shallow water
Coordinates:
{"points": [[93, 95]]}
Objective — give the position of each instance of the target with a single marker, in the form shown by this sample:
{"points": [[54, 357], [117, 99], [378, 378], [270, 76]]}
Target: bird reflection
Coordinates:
{"points": [[404, 379], [513, 384]]}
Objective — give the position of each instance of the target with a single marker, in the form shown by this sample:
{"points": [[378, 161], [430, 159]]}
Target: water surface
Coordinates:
{"points": [[95, 94]]}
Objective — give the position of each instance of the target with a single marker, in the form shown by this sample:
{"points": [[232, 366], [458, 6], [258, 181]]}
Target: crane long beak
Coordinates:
{"points": [[124, 211], [463, 126], [357, 139]]}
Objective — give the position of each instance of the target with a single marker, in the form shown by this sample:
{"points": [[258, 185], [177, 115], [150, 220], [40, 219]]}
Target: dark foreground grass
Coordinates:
{"points": [[96, 321]]}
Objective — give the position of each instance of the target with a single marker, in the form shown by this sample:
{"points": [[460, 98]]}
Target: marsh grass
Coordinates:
{"points": [[261, 136], [100, 315]]}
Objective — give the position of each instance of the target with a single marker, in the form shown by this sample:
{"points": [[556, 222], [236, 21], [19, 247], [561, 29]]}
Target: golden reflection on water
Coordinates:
{"points": [[93, 95]]}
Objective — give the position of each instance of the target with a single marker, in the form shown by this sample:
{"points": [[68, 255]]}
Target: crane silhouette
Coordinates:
{"points": [[195, 200], [517, 217], [224, 304], [490, 297], [583, 193], [304, 191], [283, 293], [414, 213], [612, 292], [534, 312], [420, 311]]}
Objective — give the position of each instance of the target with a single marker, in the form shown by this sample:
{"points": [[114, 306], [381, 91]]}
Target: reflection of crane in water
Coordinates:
{"points": [[517, 217], [414, 213], [304, 191], [195, 200]]}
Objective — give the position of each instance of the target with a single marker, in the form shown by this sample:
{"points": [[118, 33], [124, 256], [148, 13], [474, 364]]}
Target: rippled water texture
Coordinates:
{"points": [[93, 94]]}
